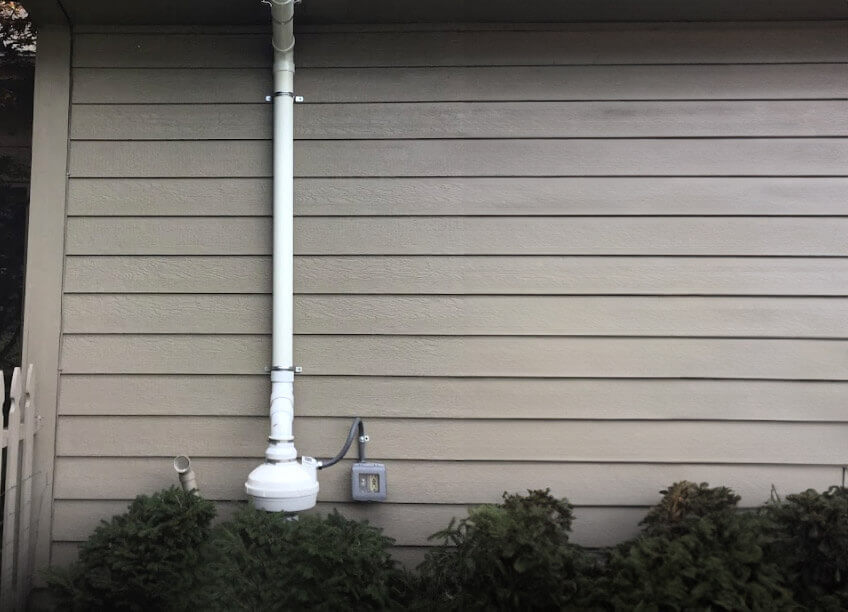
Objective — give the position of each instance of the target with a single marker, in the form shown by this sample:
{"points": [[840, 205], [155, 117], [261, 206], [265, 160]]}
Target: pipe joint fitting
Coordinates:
{"points": [[284, 49], [280, 451], [282, 411]]}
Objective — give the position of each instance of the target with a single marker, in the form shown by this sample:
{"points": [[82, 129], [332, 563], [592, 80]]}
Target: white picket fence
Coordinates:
{"points": [[18, 538]]}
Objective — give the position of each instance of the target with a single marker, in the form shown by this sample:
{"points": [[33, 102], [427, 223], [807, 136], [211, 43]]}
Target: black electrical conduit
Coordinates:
{"points": [[363, 440]]}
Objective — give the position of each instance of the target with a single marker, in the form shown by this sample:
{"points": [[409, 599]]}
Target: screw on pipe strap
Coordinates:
{"points": [[280, 94]]}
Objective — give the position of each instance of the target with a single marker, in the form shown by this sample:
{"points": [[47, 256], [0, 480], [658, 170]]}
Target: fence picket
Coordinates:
{"points": [[4, 439], [25, 517], [10, 515]]}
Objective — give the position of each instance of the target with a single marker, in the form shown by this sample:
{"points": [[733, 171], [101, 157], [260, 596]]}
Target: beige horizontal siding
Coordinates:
{"points": [[461, 398], [465, 120], [463, 236], [585, 484], [465, 440], [461, 315], [177, 121], [620, 82], [463, 356], [463, 275], [463, 196], [168, 50], [633, 44], [391, 158], [183, 197], [630, 264]]}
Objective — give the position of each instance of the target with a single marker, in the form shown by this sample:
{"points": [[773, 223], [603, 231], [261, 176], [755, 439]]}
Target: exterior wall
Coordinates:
{"points": [[596, 259]]}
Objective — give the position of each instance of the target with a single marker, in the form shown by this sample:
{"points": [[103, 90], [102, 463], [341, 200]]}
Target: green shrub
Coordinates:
{"points": [[269, 561], [511, 556], [697, 552], [684, 501], [811, 545], [140, 560]]}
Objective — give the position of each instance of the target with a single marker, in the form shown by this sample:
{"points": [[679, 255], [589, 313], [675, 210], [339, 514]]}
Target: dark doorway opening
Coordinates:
{"points": [[17, 71]]}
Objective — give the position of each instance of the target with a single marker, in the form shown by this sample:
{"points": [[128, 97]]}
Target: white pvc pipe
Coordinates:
{"points": [[282, 362], [281, 483], [282, 14]]}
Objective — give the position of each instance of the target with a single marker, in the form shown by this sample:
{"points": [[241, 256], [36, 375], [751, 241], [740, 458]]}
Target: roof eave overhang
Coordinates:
{"points": [[250, 12]]}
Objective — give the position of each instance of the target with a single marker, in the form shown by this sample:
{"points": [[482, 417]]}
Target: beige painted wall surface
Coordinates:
{"points": [[595, 259]]}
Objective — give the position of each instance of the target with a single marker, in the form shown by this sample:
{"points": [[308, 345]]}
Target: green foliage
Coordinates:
{"points": [[268, 561], [140, 560], [811, 545], [17, 34], [511, 556], [684, 501], [697, 552]]}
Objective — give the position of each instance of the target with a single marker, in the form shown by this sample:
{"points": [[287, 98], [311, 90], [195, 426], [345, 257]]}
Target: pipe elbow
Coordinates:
{"points": [[282, 17], [284, 63], [282, 11]]}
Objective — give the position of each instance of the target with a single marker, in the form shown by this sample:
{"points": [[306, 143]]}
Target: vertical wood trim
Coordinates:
{"points": [[25, 529], [10, 495], [45, 252]]}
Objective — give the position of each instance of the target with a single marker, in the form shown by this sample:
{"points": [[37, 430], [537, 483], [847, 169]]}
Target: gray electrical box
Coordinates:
{"points": [[368, 481]]}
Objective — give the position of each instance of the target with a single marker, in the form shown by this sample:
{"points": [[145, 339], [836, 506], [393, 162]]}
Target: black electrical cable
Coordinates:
{"points": [[356, 425]]}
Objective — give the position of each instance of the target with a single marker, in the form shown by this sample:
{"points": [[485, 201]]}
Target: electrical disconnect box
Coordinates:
{"points": [[368, 481]]}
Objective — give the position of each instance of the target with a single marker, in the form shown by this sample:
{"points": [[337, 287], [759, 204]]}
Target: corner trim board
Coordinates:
{"points": [[45, 260]]}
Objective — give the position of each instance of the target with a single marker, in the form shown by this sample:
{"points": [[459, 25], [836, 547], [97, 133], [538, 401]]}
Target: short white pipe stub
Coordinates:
{"points": [[182, 465]]}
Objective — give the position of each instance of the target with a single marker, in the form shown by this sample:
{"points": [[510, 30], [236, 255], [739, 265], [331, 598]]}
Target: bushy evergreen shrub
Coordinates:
{"points": [[140, 560], [684, 501], [511, 556], [269, 561], [697, 552], [811, 546]]}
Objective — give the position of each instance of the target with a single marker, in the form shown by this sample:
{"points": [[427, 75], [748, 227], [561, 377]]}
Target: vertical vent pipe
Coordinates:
{"points": [[281, 484]]}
